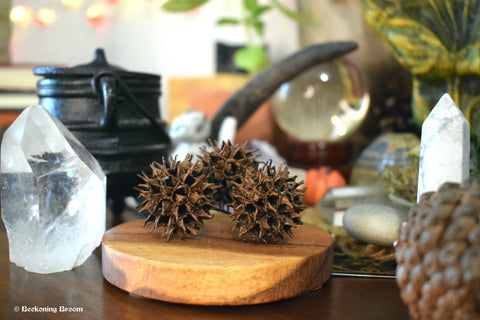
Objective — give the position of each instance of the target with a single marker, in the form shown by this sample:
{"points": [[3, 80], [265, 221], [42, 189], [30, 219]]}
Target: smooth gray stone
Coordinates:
{"points": [[373, 223]]}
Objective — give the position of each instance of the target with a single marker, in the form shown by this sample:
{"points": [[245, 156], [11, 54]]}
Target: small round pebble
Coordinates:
{"points": [[373, 223]]}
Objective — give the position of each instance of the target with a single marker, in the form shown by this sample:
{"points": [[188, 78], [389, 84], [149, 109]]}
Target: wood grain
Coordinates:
{"points": [[339, 298], [214, 267]]}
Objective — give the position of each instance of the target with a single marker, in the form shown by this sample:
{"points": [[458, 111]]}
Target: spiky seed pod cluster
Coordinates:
{"points": [[438, 254], [226, 164], [267, 204], [177, 196]]}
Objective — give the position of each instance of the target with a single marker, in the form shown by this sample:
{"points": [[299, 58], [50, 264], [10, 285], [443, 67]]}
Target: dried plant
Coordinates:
{"points": [[177, 196], [225, 164], [266, 202]]}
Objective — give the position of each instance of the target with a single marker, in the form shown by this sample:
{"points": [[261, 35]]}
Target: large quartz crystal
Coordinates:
{"points": [[53, 194], [444, 147]]}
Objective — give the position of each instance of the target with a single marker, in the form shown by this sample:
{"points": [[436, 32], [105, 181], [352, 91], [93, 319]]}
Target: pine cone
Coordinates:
{"points": [[226, 164], [177, 197], [438, 254], [267, 204]]}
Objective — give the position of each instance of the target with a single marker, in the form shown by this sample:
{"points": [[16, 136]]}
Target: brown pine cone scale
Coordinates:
{"points": [[438, 254]]}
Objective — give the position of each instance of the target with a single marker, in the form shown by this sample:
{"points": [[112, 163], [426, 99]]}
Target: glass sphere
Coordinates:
{"points": [[328, 102]]}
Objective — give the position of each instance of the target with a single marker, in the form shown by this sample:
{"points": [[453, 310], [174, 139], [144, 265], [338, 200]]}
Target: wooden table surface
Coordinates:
{"points": [[88, 296]]}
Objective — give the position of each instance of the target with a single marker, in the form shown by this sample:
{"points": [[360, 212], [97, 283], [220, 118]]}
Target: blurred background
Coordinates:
{"points": [[139, 35], [183, 48]]}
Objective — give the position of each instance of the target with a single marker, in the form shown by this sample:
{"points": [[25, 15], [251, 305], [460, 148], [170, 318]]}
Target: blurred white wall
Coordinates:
{"points": [[139, 36]]}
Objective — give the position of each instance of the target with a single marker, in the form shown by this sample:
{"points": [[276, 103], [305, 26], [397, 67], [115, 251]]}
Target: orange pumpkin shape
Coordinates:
{"points": [[319, 181]]}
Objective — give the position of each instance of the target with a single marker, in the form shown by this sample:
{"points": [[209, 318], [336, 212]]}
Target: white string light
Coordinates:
{"points": [[72, 4], [95, 13], [44, 17], [20, 15]]}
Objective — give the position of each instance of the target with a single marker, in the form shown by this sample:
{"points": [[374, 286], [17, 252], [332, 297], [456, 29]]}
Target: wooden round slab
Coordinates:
{"points": [[215, 267]]}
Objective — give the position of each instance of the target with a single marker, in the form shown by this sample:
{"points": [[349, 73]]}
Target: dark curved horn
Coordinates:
{"points": [[245, 101]]}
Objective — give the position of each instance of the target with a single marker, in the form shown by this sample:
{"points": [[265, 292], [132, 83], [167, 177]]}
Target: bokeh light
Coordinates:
{"points": [[44, 17]]}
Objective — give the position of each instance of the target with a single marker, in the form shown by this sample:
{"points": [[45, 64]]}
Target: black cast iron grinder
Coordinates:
{"points": [[114, 113]]}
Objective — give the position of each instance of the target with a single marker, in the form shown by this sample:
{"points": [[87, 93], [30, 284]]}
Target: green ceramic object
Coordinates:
{"points": [[438, 41]]}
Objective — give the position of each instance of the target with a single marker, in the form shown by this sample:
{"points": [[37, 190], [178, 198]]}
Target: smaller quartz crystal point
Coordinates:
{"points": [[444, 147], [53, 194]]}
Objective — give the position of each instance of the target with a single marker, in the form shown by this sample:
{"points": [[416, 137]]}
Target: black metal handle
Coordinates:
{"points": [[102, 86], [106, 85]]}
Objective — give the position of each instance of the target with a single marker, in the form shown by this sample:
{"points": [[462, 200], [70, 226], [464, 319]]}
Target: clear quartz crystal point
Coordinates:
{"points": [[53, 194], [444, 147]]}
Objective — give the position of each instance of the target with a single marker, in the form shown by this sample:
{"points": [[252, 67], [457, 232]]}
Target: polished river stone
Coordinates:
{"points": [[373, 223]]}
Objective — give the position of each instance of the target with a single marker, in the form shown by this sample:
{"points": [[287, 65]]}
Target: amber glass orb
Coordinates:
{"points": [[328, 102]]}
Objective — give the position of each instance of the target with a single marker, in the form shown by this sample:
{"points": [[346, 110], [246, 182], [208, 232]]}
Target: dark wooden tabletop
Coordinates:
{"points": [[83, 293]]}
